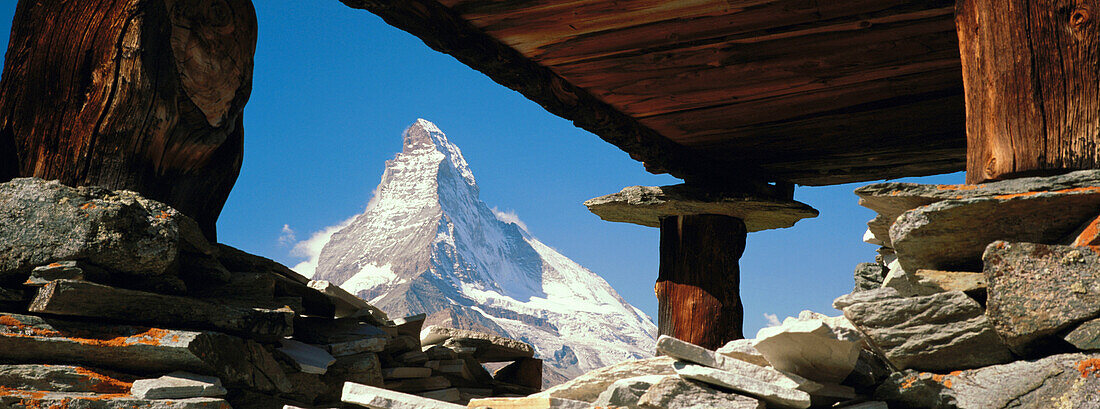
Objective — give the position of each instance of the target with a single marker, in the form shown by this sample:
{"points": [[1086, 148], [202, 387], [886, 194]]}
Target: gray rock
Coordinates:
{"points": [[1064, 381], [178, 385], [529, 402], [307, 358], [446, 395], [71, 400], [868, 276], [645, 205], [743, 350], [1061, 281], [676, 393], [952, 234], [406, 373], [809, 347], [685, 351], [374, 344], [944, 331], [64, 270], [770, 393], [44, 222], [348, 305], [63, 378], [627, 392], [891, 199], [489, 347], [879, 294], [363, 369], [588, 387], [1086, 336], [940, 281], [372, 397], [865, 405], [766, 374]]}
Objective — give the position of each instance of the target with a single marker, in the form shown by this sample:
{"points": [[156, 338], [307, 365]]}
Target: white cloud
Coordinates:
{"points": [[286, 236], [773, 320], [310, 249], [509, 217]]}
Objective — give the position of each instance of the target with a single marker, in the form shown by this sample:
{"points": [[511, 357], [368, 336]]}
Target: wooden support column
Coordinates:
{"points": [[145, 95], [699, 279], [1031, 72]]}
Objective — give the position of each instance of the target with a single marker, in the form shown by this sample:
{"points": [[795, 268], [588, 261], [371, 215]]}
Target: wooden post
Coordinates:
{"points": [[699, 279], [144, 95], [1031, 72]]}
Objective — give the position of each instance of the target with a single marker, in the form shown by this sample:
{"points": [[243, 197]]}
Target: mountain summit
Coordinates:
{"points": [[427, 244]]}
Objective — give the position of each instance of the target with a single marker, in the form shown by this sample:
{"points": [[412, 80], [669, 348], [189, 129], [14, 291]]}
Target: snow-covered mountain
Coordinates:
{"points": [[427, 244]]}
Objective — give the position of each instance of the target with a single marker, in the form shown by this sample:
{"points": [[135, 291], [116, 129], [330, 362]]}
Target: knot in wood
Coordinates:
{"points": [[1079, 17]]}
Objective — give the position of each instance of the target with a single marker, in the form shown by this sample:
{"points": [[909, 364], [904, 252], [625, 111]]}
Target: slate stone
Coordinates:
{"points": [[526, 372], [372, 397], [1086, 336], [375, 344], [238, 362], [809, 348], [307, 358], [587, 387], [743, 350], [770, 393], [38, 399], [348, 305], [418, 384], [868, 276], [44, 222], [1061, 281], [879, 294], [1064, 381], [952, 234], [527, 403], [406, 373], [411, 325], [178, 385], [64, 378], [64, 270], [489, 347], [944, 331], [940, 281], [673, 392], [646, 205], [685, 351], [891, 199], [627, 392], [446, 395], [324, 331]]}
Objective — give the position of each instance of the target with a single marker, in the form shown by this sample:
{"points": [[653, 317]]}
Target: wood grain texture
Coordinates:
{"points": [[698, 297], [144, 95], [1031, 70]]}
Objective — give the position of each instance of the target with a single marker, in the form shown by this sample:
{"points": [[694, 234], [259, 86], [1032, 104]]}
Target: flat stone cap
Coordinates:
{"points": [[646, 205]]}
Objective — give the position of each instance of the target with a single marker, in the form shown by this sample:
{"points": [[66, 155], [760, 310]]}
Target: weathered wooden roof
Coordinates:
{"points": [[812, 92]]}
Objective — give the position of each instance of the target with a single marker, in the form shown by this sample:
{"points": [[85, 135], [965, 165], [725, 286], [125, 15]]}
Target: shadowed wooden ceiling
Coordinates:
{"points": [[810, 92]]}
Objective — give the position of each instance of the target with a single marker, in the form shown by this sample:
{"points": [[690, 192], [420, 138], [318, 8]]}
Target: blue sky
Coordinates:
{"points": [[333, 89]]}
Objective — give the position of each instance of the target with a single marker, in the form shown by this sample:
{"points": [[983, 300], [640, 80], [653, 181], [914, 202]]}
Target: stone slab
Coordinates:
{"points": [[418, 385], [406, 373], [953, 234], [307, 358], [673, 392], [891, 199], [178, 385], [64, 378], [847, 300], [411, 325], [770, 393], [527, 403], [944, 331], [525, 372], [356, 347], [868, 276], [627, 392], [685, 351], [46, 399], [1085, 336], [646, 205], [64, 270], [348, 305], [372, 397], [743, 350], [87, 299], [587, 387], [940, 281], [489, 347], [324, 331], [446, 395], [365, 369], [1061, 281], [809, 348]]}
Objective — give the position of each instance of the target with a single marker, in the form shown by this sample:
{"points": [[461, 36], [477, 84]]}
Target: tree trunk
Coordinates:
{"points": [[698, 284], [144, 95], [1031, 74]]}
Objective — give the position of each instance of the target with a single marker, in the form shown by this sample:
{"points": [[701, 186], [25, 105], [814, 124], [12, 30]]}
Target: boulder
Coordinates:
{"points": [[587, 387], [489, 347], [627, 392], [742, 349], [178, 385], [952, 234], [372, 397], [770, 393], [891, 199], [673, 392], [810, 348], [868, 276], [44, 222], [944, 331], [1065, 381], [1061, 281], [646, 205]]}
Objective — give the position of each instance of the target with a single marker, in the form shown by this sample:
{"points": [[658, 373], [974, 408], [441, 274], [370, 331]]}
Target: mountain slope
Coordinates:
{"points": [[427, 244]]}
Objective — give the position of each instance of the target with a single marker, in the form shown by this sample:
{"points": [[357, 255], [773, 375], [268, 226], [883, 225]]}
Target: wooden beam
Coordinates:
{"points": [[445, 31], [1031, 70], [130, 94], [699, 279]]}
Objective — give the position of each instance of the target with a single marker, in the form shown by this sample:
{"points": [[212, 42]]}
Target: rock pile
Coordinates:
{"points": [[110, 300]]}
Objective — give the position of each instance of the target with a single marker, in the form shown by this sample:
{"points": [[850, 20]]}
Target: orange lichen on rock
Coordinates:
{"points": [[1088, 367], [103, 383], [54, 265], [959, 187], [908, 382], [163, 215], [1073, 190], [1089, 236], [146, 336], [87, 206]]}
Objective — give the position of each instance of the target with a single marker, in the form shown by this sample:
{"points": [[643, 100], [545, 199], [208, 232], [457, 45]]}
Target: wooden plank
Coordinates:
{"points": [[735, 71], [1032, 75], [699, 279]]}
